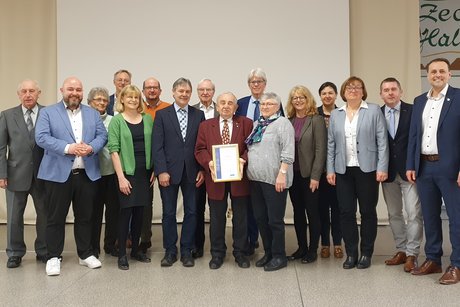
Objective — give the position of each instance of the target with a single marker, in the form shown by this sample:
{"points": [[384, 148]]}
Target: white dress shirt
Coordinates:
{"points": [[430, 121]]}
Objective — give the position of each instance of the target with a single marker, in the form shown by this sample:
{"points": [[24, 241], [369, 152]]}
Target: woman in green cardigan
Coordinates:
{"points": [[130, 137]]}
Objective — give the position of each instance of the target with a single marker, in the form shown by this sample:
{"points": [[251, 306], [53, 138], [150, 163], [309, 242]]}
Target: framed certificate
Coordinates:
{"points": [[226, 160]]}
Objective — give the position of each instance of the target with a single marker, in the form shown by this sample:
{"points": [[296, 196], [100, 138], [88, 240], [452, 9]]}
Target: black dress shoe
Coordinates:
{"points": [[298, 254], [251, 250], [349, 263], [187, 261], [42, 258], [276, 264], [197, 253], [141, 257], [310, 257], [263, 261], [168, 260], [215, 263], [242, 261], [144, 246], [123, 263], [364, 262], [13, 262]]}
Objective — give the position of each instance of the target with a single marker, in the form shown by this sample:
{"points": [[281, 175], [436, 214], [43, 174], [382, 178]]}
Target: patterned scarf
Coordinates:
{"points": [[258, 132]]}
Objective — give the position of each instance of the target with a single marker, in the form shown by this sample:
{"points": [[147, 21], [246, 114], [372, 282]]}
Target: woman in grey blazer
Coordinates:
{"points": [[357, 160], [309, 164]]}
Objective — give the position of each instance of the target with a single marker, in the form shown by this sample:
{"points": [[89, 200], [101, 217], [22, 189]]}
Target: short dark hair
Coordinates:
{"points": [[438, 60], [390, 79], [327, 84]]}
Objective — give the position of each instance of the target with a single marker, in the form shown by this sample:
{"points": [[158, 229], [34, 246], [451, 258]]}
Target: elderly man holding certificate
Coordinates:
{"points": [[220, 146]]}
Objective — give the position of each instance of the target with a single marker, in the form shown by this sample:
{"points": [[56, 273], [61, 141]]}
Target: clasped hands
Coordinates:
{"points": [[80, 149]]}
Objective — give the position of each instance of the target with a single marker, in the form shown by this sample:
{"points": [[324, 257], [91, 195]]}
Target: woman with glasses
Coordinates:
{"points": [[357, 160], [270, 158], [130, 139], [310, 161], [329, 213], [98, 98]]}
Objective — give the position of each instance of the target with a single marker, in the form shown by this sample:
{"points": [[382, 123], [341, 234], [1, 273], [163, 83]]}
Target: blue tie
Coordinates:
{"points": [[256, 110], [391, 128]]}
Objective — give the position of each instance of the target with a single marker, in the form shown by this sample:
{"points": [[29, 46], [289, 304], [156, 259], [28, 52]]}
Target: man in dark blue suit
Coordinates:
{"points": [[396, 188], [433, 161], [173, 144], [249, 106]]}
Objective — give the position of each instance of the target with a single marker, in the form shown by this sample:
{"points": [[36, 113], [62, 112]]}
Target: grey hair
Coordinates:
{"points": [[26, 80], [97, 91], [271, 95], [180, 82], [206, 79], [227, 93], [258, 73]]}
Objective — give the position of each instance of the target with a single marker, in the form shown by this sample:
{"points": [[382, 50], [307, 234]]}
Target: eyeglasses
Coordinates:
{"points": [[100, 100], [256, 82], [353, 88], [155, 88], [268, 104], [205, 90], [299, 98]]}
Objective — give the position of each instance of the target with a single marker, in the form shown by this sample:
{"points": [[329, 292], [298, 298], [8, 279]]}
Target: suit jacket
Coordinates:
{"points": [[170, 153], [448, 134], [53, 132], [243, 106], [19, 155], [216, 114], [312, 147], [398, 145], [208, 135], [371, 141], [111, 106]]}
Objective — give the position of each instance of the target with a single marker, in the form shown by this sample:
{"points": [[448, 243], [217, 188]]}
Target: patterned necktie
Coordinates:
{"points": [[225, 133], [256, 110], [391, 127], [183, 122], [29, 122]]}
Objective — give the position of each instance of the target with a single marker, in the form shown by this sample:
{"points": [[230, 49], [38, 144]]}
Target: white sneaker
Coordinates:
{"points": [[91, 262], [53, 266]]}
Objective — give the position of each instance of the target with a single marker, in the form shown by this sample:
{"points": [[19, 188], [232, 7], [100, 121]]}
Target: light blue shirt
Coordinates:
{"points": [[251, 108]]}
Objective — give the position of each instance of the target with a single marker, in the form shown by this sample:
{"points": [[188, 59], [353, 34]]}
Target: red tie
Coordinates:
{"points": [[225, 133]]}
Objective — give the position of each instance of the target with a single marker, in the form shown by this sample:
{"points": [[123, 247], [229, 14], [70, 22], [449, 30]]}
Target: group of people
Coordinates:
{"points": [[331, 160]]}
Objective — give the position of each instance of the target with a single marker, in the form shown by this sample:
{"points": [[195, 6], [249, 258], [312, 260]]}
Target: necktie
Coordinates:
{"points": [[225, 133], [29, 122], [256, 110], [183, 122], [391, 128]]}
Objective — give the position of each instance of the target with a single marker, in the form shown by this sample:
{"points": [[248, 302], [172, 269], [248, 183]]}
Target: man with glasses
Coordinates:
{"points": [[151, 89], [206, 90], [121, 79]]}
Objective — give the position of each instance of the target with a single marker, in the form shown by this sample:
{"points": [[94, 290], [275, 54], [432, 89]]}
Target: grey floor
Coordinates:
{"points": [[323, 283]]}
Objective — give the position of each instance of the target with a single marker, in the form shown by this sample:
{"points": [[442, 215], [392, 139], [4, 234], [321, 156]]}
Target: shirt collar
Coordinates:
{"points": [[362, 105], [202, 106], [34, 109], [397, 107], [176, 107], [442, 94], [229, 121]]}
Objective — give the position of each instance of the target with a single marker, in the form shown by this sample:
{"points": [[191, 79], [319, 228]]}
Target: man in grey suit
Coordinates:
{"points": [[19, 161], [206, 90]]}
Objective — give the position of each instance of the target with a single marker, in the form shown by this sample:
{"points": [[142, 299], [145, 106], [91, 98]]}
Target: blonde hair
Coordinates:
{"points": [[120, 107], [301, 90]]}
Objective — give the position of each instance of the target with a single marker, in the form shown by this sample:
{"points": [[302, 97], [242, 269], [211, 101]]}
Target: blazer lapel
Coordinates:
{"points": [[65, 119], [445, 106], [174, 121], [305, 126], [236, 130]]}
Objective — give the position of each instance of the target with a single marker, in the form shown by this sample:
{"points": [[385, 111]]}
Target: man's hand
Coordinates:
{"points": [[3, 183], [163, 179], [410, 174], [199, 179]]}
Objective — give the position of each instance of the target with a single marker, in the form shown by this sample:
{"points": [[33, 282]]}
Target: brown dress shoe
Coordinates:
{"points": [[451, 276], [398, 258], [325, 252], [427, 267], [338, 252], [411, 263]]}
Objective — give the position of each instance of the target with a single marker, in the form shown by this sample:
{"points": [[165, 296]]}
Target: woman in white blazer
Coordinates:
{"points": [[357, 160]]}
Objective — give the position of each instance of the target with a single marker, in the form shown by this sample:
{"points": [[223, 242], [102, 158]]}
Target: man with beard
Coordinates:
{"points": [[71, 134]]}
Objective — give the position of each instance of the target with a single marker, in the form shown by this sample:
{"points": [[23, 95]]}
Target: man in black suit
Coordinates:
{"points": [[396, 188], [173, 144], [206, 90], [19, 161], [121, 78]]}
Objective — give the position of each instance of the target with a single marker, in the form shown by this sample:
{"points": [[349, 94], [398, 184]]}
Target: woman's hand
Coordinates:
{"points": [[331, 178], [280, 184], [125, 185], [314, 185]]}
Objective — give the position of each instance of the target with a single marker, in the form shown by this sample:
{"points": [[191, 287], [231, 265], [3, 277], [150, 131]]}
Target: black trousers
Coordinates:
{"points": [[107, 195], [146, 231], [218, 212], [269, 208], [352, 187], [130, 221], [80, 191], [329, 213], [200, 209], [304, 200]]}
